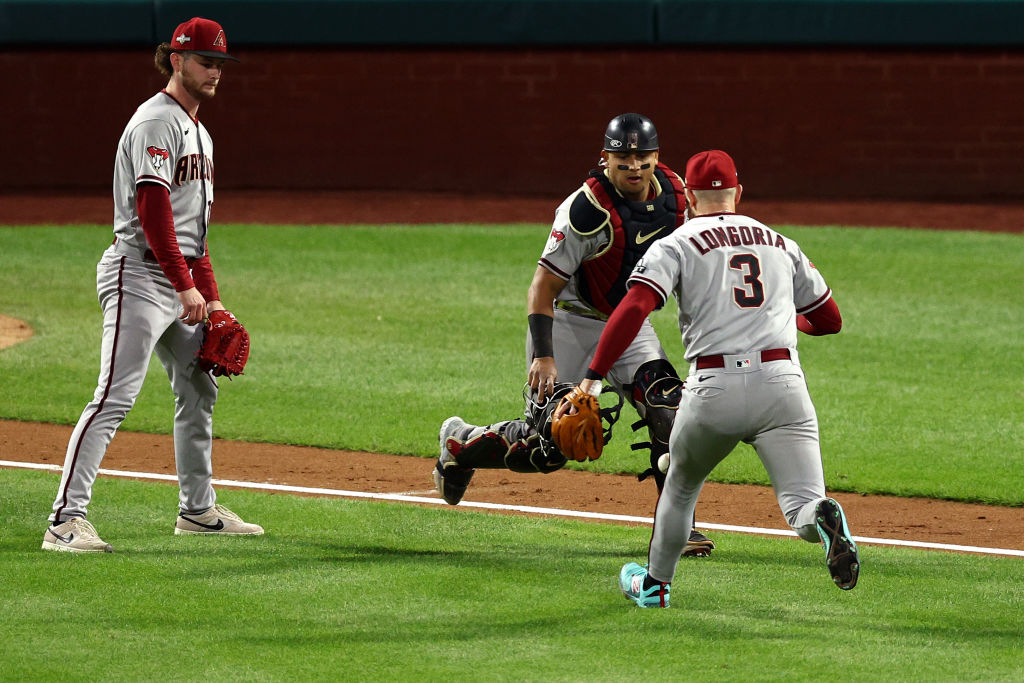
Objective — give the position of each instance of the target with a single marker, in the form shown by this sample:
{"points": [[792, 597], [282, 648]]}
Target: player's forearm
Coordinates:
{"points": [[622, 327], [202, 274], [823, 320], [540, 309], [157, 218]]}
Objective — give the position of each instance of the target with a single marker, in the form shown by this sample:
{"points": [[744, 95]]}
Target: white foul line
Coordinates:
{"points": [[553, 512]]}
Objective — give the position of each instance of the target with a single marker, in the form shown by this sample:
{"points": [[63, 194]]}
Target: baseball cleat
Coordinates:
{"points": [[631, 582], [217, 520], [75, 536], [450, 478], [699, 545], [840, 551]]}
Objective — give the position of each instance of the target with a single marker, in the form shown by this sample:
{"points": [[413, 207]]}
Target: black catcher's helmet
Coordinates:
{"points": [[630, 133]]}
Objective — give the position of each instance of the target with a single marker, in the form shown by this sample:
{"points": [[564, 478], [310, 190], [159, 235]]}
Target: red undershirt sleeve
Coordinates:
{"points": [[154, 206], [622, 327], [202, 274], [824, 319]]}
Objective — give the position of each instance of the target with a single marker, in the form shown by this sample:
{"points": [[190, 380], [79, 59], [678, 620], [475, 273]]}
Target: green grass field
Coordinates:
{"points": [[375, 591], [367, 337]]}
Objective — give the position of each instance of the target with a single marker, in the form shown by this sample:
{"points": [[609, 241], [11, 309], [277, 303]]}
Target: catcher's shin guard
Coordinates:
{"points": [[512, 445], [655, 393]]}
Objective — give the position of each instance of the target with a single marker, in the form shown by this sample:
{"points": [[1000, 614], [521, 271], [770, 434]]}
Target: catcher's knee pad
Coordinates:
{"points": [[483, 447], [655, 393]]}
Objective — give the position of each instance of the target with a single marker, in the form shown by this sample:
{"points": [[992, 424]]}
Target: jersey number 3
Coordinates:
{"points": [[752, 294]]}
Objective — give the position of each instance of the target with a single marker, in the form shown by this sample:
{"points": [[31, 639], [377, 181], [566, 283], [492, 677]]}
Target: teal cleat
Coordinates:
{"points": [[840, 551], [631, 581]]}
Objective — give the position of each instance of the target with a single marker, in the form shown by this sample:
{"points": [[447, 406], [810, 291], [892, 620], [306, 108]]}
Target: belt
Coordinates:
{"points": [[582, 311], [148, 255], [707, 362]]}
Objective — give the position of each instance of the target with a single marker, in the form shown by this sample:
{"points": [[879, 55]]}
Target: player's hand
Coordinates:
{"points": [[193, 306], [590, 386], [542, 377]]}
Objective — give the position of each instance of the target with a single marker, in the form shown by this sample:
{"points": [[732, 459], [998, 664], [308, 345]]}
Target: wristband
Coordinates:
{"points": [[540, 333]]}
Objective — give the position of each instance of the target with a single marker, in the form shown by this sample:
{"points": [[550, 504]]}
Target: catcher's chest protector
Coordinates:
{"points": [[634, 225]]}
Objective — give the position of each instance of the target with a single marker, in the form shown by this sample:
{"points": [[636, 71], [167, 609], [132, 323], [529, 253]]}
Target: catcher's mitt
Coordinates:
{"points": [[225, 346], [579, 435]]}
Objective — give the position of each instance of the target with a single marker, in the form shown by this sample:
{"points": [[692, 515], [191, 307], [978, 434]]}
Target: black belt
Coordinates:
{"points": [[151, 257], [708, 362]]}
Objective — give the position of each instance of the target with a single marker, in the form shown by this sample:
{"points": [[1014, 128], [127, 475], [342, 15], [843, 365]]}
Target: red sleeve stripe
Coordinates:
{"points": [[818, 302], [653, 285], [554, 269], [152, 179]]}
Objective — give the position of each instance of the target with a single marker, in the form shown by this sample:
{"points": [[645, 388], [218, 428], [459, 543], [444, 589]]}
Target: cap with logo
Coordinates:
{"points": [[202, 37], [711, 170], [630, 133]]}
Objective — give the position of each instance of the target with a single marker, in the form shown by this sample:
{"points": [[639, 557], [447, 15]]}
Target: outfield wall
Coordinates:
{"points": [[814, 98], [802, 123]]}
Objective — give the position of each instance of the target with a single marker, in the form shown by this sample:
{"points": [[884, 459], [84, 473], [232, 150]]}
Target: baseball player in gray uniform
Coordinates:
{"points": [[155, 286], [599, 233], [743, 292]]}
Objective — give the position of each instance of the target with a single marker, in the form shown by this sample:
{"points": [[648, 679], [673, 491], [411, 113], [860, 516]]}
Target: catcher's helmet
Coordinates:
{"points": [[630, 133]]}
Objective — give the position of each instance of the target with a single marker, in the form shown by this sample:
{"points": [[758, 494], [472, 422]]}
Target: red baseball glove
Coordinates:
{"points": [[225, 346]]}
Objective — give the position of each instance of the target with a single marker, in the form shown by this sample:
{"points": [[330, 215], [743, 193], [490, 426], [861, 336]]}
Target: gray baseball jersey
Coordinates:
{"points": [[577, 326], [736, 281], [162, 144]]}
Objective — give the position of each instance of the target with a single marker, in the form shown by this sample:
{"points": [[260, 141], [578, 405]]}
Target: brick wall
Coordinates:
{"points": [[801, 123]]}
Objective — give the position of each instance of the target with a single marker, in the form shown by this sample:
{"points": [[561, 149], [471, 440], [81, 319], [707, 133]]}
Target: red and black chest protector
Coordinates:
{"points": [[634, 226]]}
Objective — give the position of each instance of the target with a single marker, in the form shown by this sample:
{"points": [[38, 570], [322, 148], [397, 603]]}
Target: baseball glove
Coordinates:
{"points": [[225, 346], [579, 435]]}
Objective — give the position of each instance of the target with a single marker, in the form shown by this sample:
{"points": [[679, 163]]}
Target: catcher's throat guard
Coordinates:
{"points": [[539, 415]]}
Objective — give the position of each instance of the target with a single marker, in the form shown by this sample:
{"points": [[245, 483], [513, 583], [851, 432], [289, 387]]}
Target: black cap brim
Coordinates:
{"points": [[212, 54]]}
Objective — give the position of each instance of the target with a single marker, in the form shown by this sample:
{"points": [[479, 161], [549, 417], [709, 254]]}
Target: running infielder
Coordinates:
{"points": [[743, 291], [156, 286], [599, 233]]}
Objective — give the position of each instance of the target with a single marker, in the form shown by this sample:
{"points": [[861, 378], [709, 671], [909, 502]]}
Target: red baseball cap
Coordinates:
{"points": [[203, 37], [711, 170]]}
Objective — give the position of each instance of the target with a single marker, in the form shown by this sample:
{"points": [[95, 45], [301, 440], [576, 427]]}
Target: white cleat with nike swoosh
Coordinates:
{"points": [[75, 536], [216, 520]]}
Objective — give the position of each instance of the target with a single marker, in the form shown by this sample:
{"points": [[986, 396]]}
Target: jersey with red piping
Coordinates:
{"points": [[633, 227]]}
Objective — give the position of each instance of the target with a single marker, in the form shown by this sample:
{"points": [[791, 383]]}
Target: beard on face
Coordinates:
{"points": [[194, 87]]}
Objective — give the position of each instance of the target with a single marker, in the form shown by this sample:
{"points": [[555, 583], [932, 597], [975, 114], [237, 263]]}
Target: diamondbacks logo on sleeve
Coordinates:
{"points": [[157, 156], [554, 240]]}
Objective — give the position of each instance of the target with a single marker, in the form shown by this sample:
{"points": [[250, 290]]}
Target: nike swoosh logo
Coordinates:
{"points": [[640, 239], [704, 377], [63, 539], [212, 527]]}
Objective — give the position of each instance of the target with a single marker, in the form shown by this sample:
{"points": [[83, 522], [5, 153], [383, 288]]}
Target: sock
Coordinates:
{"points": [[651, 582]]}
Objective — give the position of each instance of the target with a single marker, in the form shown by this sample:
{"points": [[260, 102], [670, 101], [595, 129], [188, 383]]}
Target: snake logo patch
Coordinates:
{"points": [[554, 240], [157, 156]]}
